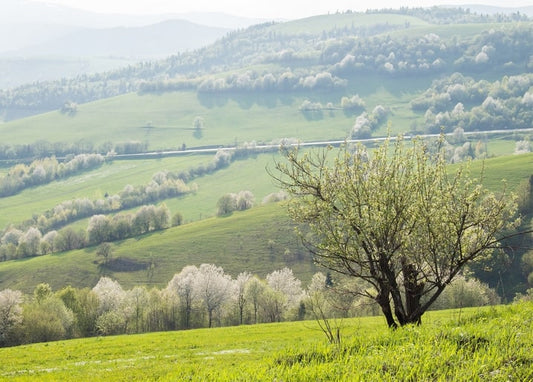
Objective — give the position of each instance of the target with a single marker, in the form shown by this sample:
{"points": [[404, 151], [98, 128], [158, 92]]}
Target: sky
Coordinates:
{"points": [[271, 9]]}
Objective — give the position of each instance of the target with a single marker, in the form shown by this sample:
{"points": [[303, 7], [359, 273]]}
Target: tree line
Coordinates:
{"points": [[42, 149], [46, 170], [16, 244], [196, 297]]}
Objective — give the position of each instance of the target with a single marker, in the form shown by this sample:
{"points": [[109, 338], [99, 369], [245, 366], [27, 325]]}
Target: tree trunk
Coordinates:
{"points": [[383, 300], [413, 293]]}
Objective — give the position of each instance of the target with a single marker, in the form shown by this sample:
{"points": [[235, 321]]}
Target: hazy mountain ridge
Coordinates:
{"points": [[41, 42], [26, 11], [157, 40]]}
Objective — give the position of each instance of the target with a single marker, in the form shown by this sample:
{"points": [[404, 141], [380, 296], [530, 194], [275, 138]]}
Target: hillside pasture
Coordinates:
{"points": [[491, 343], [259, 241], [165, 121]]}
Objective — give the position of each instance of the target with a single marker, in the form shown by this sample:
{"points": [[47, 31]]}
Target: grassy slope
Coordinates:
{"points": [[317, 24], [227, 120], [473, 344], [249, 174], [512, 168], [110, 178], [239, 242]]}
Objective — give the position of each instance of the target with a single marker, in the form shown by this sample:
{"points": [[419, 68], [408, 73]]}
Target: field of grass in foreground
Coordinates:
{"points": [[492, 343]]}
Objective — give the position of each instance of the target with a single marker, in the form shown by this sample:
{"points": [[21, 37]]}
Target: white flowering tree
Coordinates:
{"points": [[182, 291], [214, 288], [10, 312]]}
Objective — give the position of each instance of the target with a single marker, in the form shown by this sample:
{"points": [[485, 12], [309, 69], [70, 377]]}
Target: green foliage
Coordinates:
{"points": [[45, 319], [394, 218]]}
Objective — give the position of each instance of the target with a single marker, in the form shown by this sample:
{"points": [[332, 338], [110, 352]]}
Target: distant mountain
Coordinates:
{"points": [[26, 23], [40, 41], [27, 11], [153, 41]]}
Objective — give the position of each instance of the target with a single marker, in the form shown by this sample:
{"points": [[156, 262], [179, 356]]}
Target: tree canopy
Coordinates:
{"points": [[398, 218]]}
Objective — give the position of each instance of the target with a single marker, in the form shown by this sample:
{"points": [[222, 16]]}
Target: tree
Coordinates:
{"points": [[84, 304], [244, 200], [397, 218], [99, 229], [32, 240], [46, 318], [283, 281], [182, 288], [226, 204], [213, 288], [177, 219], [104, 250], [253, 293], [110, 295], [68, 239], [240, 292], [10, 313]]}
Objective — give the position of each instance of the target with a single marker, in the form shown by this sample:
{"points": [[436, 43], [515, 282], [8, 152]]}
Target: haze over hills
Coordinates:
{"points": [[144, 42], [40, 42]]}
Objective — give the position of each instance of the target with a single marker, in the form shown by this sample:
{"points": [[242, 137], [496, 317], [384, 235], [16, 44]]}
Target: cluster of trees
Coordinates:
{"points": [[354, 102], [203, 296], [44, 171], [477, 105], [348, 104], [149, 218], [16, 243], [366, 123], [430, 54], [285, 81], [243, 200]]}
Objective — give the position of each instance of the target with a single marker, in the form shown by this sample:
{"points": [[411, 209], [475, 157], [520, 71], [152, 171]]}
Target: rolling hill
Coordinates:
{"points": [[267, 83], [258, 240]]}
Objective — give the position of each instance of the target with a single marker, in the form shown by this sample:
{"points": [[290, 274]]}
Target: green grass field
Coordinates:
{"points": [[228, 118], [492, 343]]}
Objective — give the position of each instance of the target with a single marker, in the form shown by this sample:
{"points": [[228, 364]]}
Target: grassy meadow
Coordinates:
{"points": [[228, 118], [491, 343]]}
